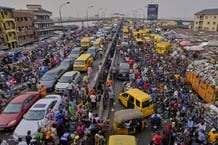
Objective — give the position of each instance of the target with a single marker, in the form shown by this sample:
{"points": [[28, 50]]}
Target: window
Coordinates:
{"points": [[214, 23], [146, 103], [137, 103], [214, 17], [125, 95], [28, 101], [25, 18], [5, 12], [213, 28], [208, 23], [206, 17], [196, 22]]}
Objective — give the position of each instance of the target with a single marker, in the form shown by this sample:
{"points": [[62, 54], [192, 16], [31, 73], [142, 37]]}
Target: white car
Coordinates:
{"points": [[65, 79], [37, 116]]}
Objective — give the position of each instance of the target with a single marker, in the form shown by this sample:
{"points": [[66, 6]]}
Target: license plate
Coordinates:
{"points": [[123, 75], [1, 129]]}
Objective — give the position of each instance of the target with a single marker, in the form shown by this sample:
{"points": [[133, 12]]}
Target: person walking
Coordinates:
{"points": [[89, 71], [167, 134], [111, 97], [93, 101], [69, 89]]}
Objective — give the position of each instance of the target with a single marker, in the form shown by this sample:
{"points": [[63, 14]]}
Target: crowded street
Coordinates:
{"points": [[116, 80]]}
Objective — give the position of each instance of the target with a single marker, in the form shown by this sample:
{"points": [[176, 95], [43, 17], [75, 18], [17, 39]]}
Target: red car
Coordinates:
{"points": [[15, 110]]}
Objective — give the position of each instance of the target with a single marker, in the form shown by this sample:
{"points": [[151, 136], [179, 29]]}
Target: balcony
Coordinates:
{"points": [[24, 23], [44, 29], [43, 21], [23, 33]]}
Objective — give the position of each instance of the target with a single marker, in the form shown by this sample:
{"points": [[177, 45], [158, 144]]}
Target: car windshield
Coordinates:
{"points": [[66, 62], [34, 115], [65, 79], [79, 62], [91, 51], [85, 43], [49, 77], [12, 108], [146, 103], [76, 51]]}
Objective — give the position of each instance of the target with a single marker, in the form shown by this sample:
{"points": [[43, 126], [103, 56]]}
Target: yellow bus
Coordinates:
{"points": [[137, 99], [86, 42], [83, 62]]}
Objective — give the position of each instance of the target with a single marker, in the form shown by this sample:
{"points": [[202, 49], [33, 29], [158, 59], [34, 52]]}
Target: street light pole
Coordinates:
{"points": [[66, 3], [87, 13], [98, 12]]}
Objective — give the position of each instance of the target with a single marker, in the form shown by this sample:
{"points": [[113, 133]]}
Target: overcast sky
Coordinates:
{"points": [[77, 8]]}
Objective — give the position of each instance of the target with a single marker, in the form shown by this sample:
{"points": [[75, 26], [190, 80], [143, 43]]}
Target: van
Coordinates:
{"points": [[162, 47], [97, 43], [137, 99], [122, 140], [86, 42], [83, 62]]}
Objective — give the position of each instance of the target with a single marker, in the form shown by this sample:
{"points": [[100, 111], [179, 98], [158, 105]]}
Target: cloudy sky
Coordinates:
{"points": [[77, 8]]}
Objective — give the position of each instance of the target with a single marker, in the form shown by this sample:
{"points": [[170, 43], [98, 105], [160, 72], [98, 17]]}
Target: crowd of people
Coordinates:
{"points": [[163, 77]]}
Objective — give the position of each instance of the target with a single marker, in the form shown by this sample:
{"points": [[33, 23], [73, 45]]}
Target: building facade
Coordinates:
{"points": [[24, 27], [43, 25], [206, 20], [8, 27]]}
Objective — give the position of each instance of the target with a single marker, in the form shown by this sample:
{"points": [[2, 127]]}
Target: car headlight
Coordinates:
{"points": [[12, 122]]}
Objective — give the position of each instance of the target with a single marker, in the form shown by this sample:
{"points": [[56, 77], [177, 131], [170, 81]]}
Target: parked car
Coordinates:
{"points": [[37, 116], [93, 51], [15, 110], [65, 79], [123, 71], [50, 78], [67, 64]]}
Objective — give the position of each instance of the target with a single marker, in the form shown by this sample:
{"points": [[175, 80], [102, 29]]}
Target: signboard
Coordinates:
{"points": [[152, 11]]}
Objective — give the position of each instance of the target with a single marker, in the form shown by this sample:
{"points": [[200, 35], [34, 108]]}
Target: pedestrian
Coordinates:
{"points": [[54, 134], [93, 101], [89, 71], [69, 89], [167, 134], [28, 137], [43, 91], [157, 139], [20, 142], [111, 97], [99, 138]]}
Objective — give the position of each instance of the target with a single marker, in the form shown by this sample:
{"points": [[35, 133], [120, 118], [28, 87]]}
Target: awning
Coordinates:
{"points": [[185, 43]]}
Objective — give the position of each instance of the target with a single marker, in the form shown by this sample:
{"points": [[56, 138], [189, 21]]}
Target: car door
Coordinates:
{"points": [[26, 105]]}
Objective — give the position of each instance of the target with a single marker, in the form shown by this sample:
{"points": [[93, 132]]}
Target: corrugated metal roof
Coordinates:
{"points": [[208, 11], [7, 8]]}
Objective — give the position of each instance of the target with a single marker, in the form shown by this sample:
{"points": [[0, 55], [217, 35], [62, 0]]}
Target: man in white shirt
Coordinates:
{"points": [[70, 89], [93, 101], [20, 142]]}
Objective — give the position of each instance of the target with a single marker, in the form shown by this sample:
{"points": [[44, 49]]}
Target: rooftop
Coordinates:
{"points": [[6, 8], [208, 11]]}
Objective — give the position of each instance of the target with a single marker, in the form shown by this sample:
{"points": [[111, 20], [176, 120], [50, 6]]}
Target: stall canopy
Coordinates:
{"points": [[196, 48], [185, 43]]}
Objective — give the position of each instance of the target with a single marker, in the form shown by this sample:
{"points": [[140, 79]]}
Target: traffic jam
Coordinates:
{"points": [[122, 81]]}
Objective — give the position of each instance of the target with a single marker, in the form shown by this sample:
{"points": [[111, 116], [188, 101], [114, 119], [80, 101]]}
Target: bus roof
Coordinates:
{"points": [[122, 140], [83, 57], [86, 39], [140, 95]]}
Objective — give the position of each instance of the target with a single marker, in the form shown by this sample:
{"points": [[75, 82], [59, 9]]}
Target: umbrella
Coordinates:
{"points": [[196, 48], [185, 43], [2, 53]]}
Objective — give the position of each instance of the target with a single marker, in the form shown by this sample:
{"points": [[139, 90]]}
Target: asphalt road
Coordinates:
{"points": [[145, 136], [8, 135]]}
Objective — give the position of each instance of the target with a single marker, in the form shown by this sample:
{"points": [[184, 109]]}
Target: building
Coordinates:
{"points": [[24, 27], [8, 27], [43, 25], [206, 20]]}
